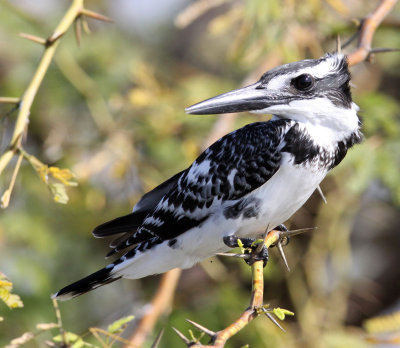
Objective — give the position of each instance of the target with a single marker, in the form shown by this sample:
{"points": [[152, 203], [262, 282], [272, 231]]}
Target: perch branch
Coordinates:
{"points": [[255, 309], [367, 31]]}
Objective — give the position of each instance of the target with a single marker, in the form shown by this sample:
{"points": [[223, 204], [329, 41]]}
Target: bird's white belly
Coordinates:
{"points": [[279, 199], [282, 196]]}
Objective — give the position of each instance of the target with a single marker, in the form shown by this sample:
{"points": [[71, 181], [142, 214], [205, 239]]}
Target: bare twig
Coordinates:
{"points": [[367, 31], [5, 198]]}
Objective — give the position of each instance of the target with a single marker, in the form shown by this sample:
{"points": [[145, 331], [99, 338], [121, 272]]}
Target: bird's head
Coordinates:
{"points": [[312, 91]]}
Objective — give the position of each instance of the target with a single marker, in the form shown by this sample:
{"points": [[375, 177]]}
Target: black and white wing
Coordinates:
{"points": [[232, 167], [127, 225]]}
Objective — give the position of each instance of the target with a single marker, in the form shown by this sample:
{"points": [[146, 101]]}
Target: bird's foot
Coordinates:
{"points": [[252, 249]]}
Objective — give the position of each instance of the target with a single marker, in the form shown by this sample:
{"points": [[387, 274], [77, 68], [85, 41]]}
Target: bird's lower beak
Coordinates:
{"points": [[250, 98]]}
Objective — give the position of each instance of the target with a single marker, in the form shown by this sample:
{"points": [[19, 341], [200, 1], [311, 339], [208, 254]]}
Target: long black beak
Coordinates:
{"points": [[250, 98]]}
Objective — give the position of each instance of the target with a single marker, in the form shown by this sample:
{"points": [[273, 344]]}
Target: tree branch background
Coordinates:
{"points": [[111, 110]]}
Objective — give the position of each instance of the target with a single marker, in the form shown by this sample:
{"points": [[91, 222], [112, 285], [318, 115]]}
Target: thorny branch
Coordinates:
{"points": [[255, 309], [76, 10], [367, 30]]}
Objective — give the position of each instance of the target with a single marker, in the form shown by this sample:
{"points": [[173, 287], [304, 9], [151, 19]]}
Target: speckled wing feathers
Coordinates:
{"points": [[237, 164]]}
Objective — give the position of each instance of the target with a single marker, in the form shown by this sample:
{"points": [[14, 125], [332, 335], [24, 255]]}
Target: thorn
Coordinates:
{"points": [[384, 50], [85, 26], [240, 256], [158, 339], [95, 15], [271, 317], [202, 328], [9, 100], [53, 38], [34, 38], [261, 245], [322, 194], [181, 336], [296, 232], [358, 24], [78, 29], [282, 254], [338, 50]]}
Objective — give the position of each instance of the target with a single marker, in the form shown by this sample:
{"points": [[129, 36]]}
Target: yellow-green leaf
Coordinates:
{"points": [[117, 326], [59, 193], [11, 300], [280, 313]]}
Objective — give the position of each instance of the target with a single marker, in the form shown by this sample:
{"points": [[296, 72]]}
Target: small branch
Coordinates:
{"points": [[367, 31], [255, 308], [5, 198], [9, 100], [50, 45], [161, 301]]}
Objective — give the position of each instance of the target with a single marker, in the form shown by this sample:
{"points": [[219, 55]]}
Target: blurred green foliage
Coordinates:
{"points": [[112, 111]]}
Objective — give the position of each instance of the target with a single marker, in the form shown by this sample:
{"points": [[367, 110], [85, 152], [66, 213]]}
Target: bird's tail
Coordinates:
{"points": [[91, 282]]}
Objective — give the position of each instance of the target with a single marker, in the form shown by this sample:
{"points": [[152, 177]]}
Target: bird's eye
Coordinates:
{"points": [[303, 82]]}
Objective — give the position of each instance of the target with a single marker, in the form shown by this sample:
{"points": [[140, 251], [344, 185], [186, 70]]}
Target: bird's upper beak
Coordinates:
{"points": [[251, 98]]}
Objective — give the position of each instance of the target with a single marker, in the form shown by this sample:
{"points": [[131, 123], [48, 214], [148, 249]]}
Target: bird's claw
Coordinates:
{"points": [[250, 247], [256, 253], [284, 238]]}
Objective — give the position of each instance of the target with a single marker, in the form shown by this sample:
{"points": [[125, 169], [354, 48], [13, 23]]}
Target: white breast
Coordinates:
{"points": [[284, 194]]}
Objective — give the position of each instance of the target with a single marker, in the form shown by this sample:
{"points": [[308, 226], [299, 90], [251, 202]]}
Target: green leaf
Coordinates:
{"points": [[69, 338], [241, 246], [280, 313], [117, 326]]}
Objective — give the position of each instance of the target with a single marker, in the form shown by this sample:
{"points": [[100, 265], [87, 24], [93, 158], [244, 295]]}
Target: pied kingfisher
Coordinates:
{"points": [[248, 181]]}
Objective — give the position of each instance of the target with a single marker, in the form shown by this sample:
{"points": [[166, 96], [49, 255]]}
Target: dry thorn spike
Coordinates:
{"points": [[338, 50], [158, 339], [95, 15], [9, 100], [33, 38], [282, 254], [202, 328], [322, 194], [53, 38], [261, 245], [270, 317], [78, 29], [384, 50], [298, 231], [240, 256], [181, 336], [85, 26]]}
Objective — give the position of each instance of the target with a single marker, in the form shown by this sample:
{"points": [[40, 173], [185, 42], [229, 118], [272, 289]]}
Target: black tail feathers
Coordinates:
{"points": [[91, 282]]}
